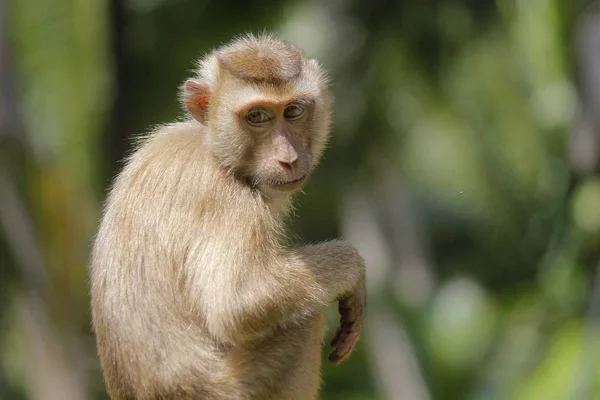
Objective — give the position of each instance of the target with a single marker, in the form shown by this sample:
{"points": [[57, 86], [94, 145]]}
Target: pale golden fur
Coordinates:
{"points": [[194, 293]]}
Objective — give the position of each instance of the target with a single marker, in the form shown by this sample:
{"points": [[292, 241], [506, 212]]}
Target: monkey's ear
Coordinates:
{"points": [[196, 97]]}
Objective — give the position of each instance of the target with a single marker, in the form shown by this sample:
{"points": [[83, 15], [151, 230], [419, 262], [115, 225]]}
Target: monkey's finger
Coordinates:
{"points": [[336, 358], [347, 340], [345, 344], [346, 308], [348, 318], [336, 337], [344, 328], [340, 354], [345, 354]]}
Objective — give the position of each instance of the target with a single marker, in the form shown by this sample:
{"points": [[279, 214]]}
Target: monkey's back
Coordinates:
{"points": [[161, 218]]}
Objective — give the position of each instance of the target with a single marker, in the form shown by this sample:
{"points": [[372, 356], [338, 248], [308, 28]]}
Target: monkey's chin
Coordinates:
{"points": [[286, 186]]}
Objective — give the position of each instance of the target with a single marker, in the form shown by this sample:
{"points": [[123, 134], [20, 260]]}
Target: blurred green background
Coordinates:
{"points": [[464, 166]]}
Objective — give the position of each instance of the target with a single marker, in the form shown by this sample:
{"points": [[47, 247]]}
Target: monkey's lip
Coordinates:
{"points": [[286, 185]]}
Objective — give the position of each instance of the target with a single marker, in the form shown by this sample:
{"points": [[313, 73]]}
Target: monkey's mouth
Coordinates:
{"points": [[286, 185]]}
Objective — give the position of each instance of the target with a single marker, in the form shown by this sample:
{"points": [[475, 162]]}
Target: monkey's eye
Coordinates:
{"points": [[257, 117], [293, 111]]}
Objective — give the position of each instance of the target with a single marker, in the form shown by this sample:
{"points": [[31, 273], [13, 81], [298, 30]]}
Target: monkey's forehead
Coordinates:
{"points": [[263, 59], [301, 88]]}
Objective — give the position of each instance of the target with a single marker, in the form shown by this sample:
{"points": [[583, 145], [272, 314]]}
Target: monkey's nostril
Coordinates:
{"points": [[288, 165]]}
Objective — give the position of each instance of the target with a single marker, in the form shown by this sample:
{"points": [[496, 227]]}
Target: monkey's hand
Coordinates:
{"points": [[351, 308]]}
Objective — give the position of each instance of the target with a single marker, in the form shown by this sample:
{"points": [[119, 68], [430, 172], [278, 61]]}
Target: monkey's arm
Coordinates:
{"points": [[336, 266], [352, 303], [296, 285]]}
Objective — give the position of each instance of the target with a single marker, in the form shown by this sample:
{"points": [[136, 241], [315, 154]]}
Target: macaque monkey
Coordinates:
{"points": [[195, 294]]}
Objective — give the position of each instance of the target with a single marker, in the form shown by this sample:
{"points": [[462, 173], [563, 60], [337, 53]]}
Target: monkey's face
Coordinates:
{"points": [[281, 131], [267, 109], [272, 138]]}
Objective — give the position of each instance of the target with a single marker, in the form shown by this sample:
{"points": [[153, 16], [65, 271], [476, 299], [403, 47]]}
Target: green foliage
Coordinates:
{"points": [[465, 104]]}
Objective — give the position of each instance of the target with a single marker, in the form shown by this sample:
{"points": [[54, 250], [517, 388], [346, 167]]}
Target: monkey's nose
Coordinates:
{"points": [[289, 165]]}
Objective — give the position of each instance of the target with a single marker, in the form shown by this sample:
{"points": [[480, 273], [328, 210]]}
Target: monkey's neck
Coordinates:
{"points": [[281, 204]]}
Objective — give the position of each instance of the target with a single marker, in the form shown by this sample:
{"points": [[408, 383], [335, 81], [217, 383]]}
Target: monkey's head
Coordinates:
{"points": [[267, 110]]}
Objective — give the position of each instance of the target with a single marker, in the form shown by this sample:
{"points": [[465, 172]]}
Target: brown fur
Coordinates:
{"points": [[194, 294], [266, 60]]}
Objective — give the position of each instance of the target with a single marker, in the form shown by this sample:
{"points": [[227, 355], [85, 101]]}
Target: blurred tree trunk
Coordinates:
{"points": [[584, 141], [116, 141], [42, 220], [10, 130]]}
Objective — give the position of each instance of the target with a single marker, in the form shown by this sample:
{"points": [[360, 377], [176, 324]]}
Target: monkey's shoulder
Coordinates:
{"points": [[172, 142], [173, 163], [170, 162], [168, 150]]}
